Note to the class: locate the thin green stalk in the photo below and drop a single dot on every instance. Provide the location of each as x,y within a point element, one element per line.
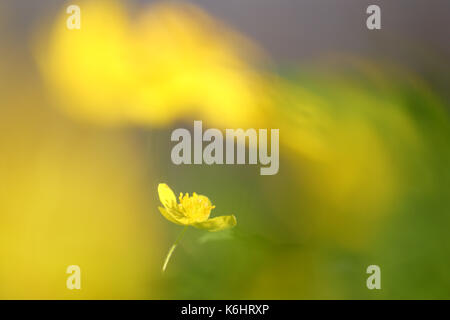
<point>172,249</point>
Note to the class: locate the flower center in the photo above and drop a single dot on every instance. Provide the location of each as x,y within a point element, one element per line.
<point>196,208</point>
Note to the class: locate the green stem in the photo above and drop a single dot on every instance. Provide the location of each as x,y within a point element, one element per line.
<point>172,249</point>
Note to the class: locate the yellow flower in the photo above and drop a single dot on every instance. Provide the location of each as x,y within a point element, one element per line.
<point>191,211</point>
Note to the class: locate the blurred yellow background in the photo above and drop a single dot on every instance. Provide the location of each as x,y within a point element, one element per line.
<point>85,120</point>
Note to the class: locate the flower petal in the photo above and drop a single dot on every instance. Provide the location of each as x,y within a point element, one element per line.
<point>168,214</point>
<point>217,223</point>
<point>166,196</point>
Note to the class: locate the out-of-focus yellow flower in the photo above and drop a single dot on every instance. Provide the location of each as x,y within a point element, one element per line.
<point>70,194</point>
<point>191,211</point>
<point>173,61</point>
<point>348,158</point>
<point>345,137</point>
<point>89,71</point>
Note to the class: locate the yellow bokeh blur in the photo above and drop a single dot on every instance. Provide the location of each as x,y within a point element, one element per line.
<point>169,62</point>
<point>343,158</point>
<point>71,195</point>
<point>86,118</point>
